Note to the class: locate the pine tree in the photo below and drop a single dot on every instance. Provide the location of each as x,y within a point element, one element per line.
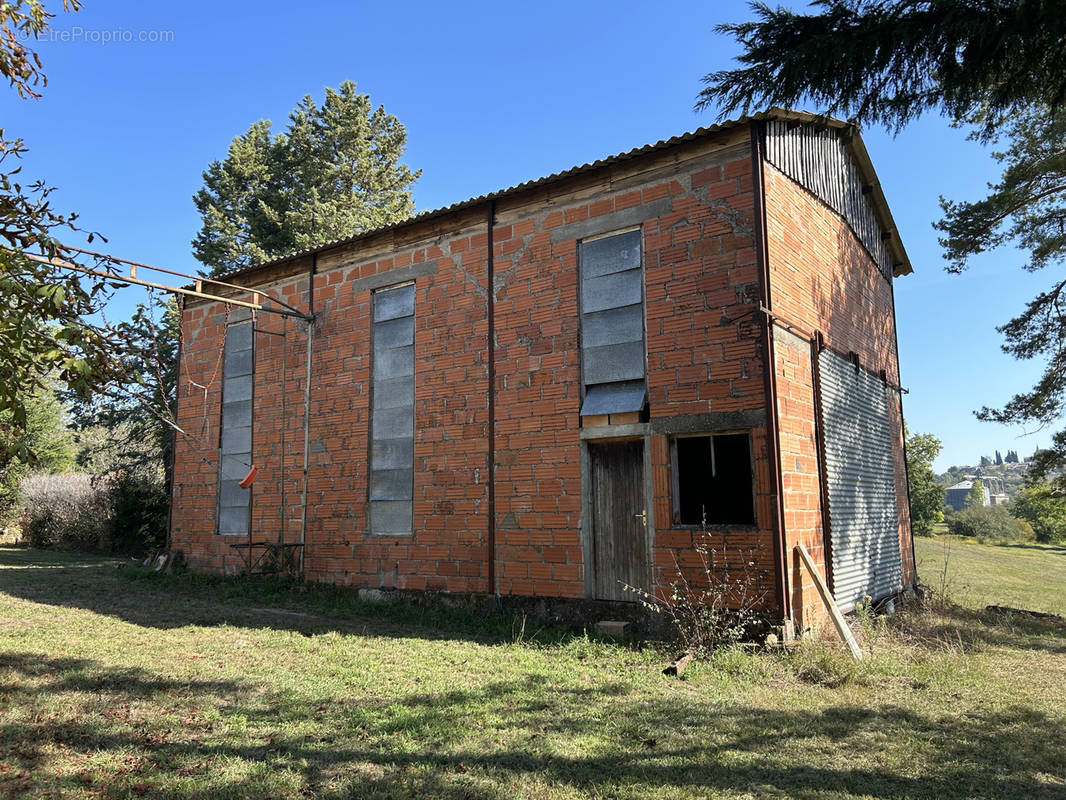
<point>334,172</point>
<point>996,66</point>
<point>999,459</point>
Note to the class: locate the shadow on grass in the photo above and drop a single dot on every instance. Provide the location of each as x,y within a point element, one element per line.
<point>1050,549</point>
<point>437,744</point>
<point>142,597</point>
<point>999,629</point>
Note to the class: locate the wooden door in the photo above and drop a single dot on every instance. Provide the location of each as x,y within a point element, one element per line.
<point>619,521</point>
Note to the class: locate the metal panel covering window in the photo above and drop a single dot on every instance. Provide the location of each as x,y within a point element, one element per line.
<point>392,421</point>
<point>612,325</point>
<point>860,479</point>
<point>235,447</point>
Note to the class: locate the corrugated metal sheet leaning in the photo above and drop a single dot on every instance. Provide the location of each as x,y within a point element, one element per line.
<point>864,527</point>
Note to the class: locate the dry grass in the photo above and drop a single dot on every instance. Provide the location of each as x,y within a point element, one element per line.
<point>114,684</point>
<point>1030,576</point>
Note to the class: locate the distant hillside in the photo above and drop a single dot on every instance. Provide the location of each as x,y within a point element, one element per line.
<point>1004,478</point>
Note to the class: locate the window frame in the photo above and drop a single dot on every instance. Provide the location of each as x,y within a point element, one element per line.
<point>371,409</point>
<point>220,471</point>
<point>675,488</point>
<point>582,383</point>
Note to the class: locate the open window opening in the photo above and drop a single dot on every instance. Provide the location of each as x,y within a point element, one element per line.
<point>713,483</point>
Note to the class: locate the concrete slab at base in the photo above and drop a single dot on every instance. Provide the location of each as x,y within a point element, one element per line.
<point>375,596</point>
<point>614,628</point>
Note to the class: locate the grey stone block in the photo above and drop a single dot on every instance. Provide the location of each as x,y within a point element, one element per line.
<point>390,517</point>
<point>392,454</point>
<point>606,223</point>
<point>613,326</point>
<point>394,363</point>
<point>612,291</point>
<point>610,254</point>
<point>392,276</point>
<point>393,303</point>
<point>614,362</point>
<point>392,484</point>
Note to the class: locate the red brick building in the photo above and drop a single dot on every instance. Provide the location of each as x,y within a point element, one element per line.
<point>561,388</point>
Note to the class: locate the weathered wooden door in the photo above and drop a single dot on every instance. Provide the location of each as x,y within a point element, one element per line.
<point>619,520</point>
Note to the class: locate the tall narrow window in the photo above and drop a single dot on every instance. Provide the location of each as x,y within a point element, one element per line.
<point>392,422</point>
<point>713,480</point>
<point>612,325</point>
<point>235,450</point>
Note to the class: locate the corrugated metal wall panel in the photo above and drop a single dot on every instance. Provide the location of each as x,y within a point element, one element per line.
<point>860,476</point>
<point>818,160</point>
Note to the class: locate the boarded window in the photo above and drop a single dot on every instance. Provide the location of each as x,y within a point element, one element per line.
<point>392,419</point>
<point>612,325</point>
<point>235,450</point>
<point>713,480</point>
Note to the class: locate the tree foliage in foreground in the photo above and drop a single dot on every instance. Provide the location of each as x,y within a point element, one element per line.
<point>45,335</point>
<point>998,66</point>
<point>334,172</point>
<point>885,63</point>
<point>926,493</point>
<point>45,435</point>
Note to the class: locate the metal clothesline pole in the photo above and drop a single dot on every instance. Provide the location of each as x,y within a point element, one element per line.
<point>307,443</point>
<point>255,304</point>
<point>259,302</point>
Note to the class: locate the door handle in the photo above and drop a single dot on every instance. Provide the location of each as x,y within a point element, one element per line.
<point>643,517</point>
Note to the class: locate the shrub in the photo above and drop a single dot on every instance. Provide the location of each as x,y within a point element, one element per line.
<point>69,511</point>
<point>139,511</point>
<point>122,513</point>
<point>993,523</point>
<point>711,605</point>
<point>1044,510</point>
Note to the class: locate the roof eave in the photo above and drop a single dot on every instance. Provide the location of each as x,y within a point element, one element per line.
<point>901,263</point>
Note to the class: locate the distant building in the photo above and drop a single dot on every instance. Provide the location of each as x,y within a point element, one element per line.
<point>956,495</point>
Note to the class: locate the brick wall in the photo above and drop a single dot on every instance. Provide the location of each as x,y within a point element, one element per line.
<point>694,206</point>
<point>823,279</point>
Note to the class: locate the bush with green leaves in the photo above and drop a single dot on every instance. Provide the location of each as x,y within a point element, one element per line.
<point>139,511</point>
<point>990,523</point>
<point>1045,510</point>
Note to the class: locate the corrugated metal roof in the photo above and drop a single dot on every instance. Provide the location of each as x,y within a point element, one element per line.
<point>859,151</point>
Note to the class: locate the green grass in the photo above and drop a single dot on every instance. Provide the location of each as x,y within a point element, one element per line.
<point>1028,576</point>
<point>117,684</point>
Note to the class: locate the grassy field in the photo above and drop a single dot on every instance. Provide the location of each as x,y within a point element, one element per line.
<point>1029,576</point>
<point>117,684</point>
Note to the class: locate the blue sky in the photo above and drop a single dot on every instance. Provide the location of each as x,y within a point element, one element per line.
<point>491,95</point>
